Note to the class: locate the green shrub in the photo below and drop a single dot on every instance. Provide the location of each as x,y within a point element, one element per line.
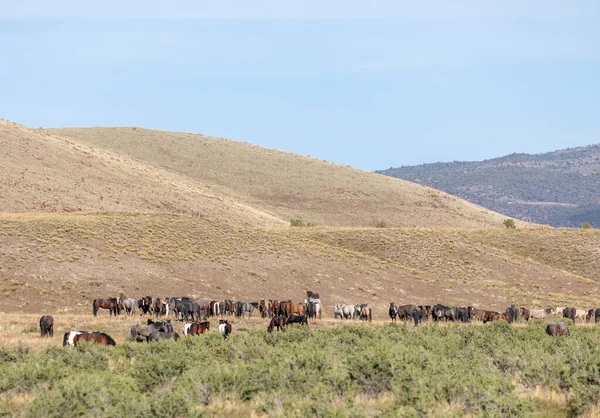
<point>381,224</point>
<point>463,370</point>
<point>586,225</point>
<point>298,221</point>
<point>30,329</point>
<point>510,223</point>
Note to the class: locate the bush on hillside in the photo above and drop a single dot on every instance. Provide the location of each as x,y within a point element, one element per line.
<point>510,223</point>
<point>586,225</point>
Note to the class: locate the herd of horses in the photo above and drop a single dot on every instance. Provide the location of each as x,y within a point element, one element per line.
<point>420,313</point>
<point>284,312</point>
<point>186,309</point>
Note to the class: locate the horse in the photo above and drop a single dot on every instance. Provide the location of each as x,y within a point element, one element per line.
<point>343,311</point>
<point>462,314</point>
<point>525,313</point>
<point>557,328</point>
<point>276,307</point>
<point>581,314</point>
<point>478,314</point>
<point>129,304</point>
<point>298,309</point>
<point>262,308</point>
<point>569,313</point>
<point>94,337</point>
<point>69,336</point>
<point>597,315</point>
<point>314,309</point>
<point>366,314</point>
<point>540,313</point>
<point>138,333</point>
<point>242,307</point>
<point>157,335</point>
<point>224,328</point>
<point>312,296</point>
<point>198,328</point>
<point>278,322</point>
<point>513,314</point>
<point>418,314</point>
<point>296,319</point>
<point>112,304</point>
<point>47,326</point>
<point>440,312</point>
<point>392,312</point>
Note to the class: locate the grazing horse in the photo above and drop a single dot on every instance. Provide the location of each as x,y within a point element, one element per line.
<point>278,322</point>
<point>224,328</point>
<point>94,337</point>
<point>513,314</point>
<point>296,319</point>
<point>157,335</point>
<point>47,326</point>
<point>557,328</point>
<point>392,311</point>
<point>138,333</point>
<point>69,336</point>
<point>112,304</point>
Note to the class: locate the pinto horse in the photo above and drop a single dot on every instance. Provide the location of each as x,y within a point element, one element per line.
<point>224,327</point>
<point>112,304</point>
<point>94,337</point>
<point>47,326</point>
<point>278,322</point>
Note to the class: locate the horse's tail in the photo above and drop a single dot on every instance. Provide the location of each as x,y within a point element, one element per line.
<point>370,314</point>
<point>94,307</point>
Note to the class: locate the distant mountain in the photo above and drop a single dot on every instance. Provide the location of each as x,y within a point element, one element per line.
<point>560,188</point>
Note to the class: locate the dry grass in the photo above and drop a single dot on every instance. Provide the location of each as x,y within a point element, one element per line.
<point>51,261</point>
<point>278,183</point>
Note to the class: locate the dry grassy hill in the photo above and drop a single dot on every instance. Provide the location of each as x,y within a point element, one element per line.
<point>282,184</point>
<point>51,262</point>
<point>87,213</point>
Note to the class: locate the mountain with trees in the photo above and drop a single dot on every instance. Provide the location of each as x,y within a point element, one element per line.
<point>560,188</point>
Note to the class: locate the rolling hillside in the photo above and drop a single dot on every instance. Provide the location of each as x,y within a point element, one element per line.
<point>284,185</point>
<point>51,262</point>
<point>89,213</point>
<point>557,188</point>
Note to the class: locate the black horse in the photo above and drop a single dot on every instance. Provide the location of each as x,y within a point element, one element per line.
<point>513,314</point>
<point>47,326</point>
<point>297,319</point>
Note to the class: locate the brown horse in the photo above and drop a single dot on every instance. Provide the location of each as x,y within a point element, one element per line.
<point>94,337</point>
<point>47,326</point>
<point>557,328</point>
<point>262,308</point>
<point>278,322</point>
<point>198,328</point>
<point>112,304</point>
<point>525,314</point>
<point>298,309</point>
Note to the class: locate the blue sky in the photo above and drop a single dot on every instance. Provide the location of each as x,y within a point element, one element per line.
<point>371,84</point>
